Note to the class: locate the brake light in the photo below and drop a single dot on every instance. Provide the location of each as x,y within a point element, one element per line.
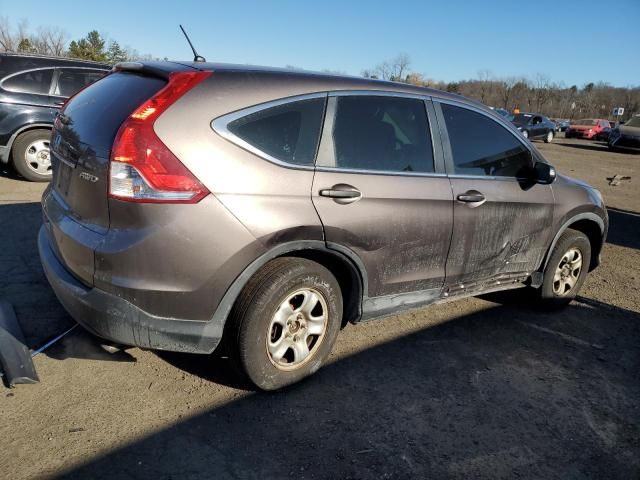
<point>142,168</point>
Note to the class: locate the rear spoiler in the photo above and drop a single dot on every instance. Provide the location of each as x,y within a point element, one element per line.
<point>153,69</point>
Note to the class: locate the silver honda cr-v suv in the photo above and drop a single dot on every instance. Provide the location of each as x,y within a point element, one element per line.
<point>193,203</point>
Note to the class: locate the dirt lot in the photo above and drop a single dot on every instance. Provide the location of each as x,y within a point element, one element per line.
<point>474,389</point>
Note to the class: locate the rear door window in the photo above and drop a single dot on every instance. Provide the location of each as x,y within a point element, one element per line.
<point>70,80</point>
<point>380,133</point>
<point>33,81</point>
<point>482,147</point>
<point>287,132</point>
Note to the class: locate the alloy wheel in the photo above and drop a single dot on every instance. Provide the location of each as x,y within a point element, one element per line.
<point>297,328</point>
<point>38,157</point>
<point>567,272</point>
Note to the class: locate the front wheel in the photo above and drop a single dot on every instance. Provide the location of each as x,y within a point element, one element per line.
<point>31,156</point>
<point>286,321</point>
<point>566,269</point>
<point>549,137</point>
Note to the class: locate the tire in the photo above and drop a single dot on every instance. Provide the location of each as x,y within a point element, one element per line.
<point>30,155</point>
<point>561,281</point>
<point>525,133</point>
<point>549,137</point>
<point>275,315</point>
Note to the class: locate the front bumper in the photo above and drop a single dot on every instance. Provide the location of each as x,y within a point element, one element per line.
<point>119,321</point>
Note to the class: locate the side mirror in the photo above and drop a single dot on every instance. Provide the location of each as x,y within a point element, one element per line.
<point>544,173</point>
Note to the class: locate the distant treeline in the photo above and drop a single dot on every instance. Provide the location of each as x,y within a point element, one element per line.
<point>539,95</point>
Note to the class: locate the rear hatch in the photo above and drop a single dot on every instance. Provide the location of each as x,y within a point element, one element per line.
<point>83,134</point>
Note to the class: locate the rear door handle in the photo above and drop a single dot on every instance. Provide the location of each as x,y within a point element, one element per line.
<point>342,193</point>
<point>472,197</point>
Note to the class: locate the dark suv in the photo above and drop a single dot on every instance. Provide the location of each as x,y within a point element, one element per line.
<point>195,205</point>
<point>32,89</point>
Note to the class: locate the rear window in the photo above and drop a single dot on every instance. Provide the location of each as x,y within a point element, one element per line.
<point>96,113</point>
<point>34,81</point>
<point>286,132</point>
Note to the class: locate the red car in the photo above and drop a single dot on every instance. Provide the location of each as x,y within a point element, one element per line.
<point>586,128</point>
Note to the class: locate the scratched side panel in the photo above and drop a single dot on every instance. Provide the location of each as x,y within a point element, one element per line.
<point>507,234</point>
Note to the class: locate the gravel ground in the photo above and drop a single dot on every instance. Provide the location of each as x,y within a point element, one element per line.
<point>479,388</point>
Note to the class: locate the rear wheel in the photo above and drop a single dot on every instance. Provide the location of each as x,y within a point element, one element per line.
<point>31,156</point>
<point>286,321</point>
<point>566,269</point>
<point>549,137</point>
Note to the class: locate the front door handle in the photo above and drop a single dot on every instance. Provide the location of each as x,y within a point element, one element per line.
<point>472,197</point>
<point>342,193</point>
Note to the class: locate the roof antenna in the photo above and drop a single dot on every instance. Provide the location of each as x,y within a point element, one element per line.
<point>196,57</point>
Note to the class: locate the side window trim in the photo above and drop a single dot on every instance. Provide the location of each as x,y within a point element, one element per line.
<point>220,126</point>
<point>54,81</point>
<point>437,141</point>
<point>326,150</point>
<point>446,143</point>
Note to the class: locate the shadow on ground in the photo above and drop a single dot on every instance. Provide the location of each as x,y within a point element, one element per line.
<point>624,228</point>
<point>599,147</point>
<point>502,393</point>
<point>22,281</point>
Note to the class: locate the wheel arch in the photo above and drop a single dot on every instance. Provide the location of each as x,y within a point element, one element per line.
<point>343,263</point>
<point>348,273</point>
<point>592,226</point>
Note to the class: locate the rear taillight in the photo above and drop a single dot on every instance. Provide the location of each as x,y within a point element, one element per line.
<point>142,168</point>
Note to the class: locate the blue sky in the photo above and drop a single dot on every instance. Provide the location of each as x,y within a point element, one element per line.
<point>573,42</point>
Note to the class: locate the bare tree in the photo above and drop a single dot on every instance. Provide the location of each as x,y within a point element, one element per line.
<point>51,41</point>
<point>508,88</point>
<point>8,41</point>
<point>400,66</point>
<point>395,69</point>
<point>485,84</point>
<point>541,90</point>
<point>384,71</point>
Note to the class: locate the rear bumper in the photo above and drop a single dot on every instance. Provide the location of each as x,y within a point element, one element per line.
<point>115,319</point>
<point>574,134</point>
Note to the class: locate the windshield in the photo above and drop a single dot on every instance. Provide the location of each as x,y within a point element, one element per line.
<point>634,122</point>
<point>521,118</point>
<point>584,121</point>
